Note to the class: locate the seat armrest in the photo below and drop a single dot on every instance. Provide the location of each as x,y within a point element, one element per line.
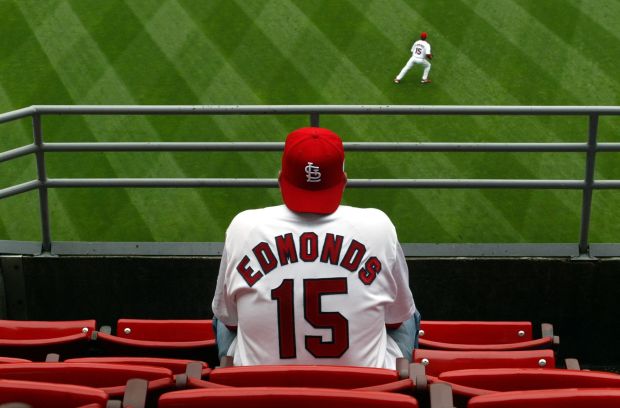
<point>135,393</point>
<point>417,373</point>
<point>572,364</point>
<point>441,395</point>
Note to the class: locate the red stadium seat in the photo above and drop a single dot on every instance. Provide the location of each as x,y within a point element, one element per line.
<point>51,395</point>
<point>9,360</point>
<point>281,397</point>
<point>470,383</point>
<point>475,335</point>
<point>110,378</point>
<point>438,361</point>
<point>342,377</point>
<point>182,339</point>
<point>33,340</point>
<point>515,379</point>
<point>177,366</point>
<point>559,398</point>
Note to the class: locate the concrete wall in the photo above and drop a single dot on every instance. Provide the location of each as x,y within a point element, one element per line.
<point>579,298</point>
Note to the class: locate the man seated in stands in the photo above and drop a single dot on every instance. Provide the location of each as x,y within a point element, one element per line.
<point>313,281</point>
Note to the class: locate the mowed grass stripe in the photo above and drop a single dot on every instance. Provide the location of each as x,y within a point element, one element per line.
<point>592,52</point>
<point>95,73</point>
<point>604,12</point>
<point>173,30</point>
<point>19,215</point>
<point>91,213</point>
<point>537,36</point>
<point>177,222</point>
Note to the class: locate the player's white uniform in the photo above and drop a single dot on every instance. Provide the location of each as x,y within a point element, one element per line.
<point>313,289</point>
<point>419,51</point>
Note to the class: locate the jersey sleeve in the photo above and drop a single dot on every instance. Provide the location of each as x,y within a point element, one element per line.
<point>224,307</point>
<point>428,49</point>
<point>403,306</point>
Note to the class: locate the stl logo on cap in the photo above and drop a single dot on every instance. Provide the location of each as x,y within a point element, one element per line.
<point>313,173</point>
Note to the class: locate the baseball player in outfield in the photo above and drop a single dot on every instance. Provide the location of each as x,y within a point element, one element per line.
<point>313,281</point>
<point>420,54</point>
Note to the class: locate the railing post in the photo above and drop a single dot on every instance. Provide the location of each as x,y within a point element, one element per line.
<point>46,239</point>
<point>586,207</point>
<point>314,119</point>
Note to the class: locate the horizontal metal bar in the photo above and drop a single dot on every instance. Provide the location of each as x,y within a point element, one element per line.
<point>18,152</point>
<point>605,250</point>
<point>466,147</point>
<point>411,250</point>
<point>608,147</point>
<point>20,247</point>
<point>350,146</point>
<point>138,248</point>
<point>322,109</point>
<point>19,188</point>
<point>163,146</point>
<point>467,183</point>
<point>162,182</point>
<point>355,183</point>
<point>16,114</point>
<point>606,184</point>
<point>491,250</point>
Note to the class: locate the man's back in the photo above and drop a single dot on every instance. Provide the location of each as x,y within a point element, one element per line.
<point>313,289</point>
<point>421,49</point>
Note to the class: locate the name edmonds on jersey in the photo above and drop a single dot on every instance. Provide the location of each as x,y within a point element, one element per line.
<point>309,248</point>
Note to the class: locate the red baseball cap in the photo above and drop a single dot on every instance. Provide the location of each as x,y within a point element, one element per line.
<point>423,35</point>
<point>312,179</point>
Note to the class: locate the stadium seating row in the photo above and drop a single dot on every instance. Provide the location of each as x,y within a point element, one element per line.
<point>34,340</point>
<point>109,383</point>
<point>145,366</point>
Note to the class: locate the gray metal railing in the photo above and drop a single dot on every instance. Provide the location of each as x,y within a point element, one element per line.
<point>42,183</point>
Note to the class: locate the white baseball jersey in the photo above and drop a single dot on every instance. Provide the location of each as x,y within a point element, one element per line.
<point>420,49</point>
<point>313,289</point>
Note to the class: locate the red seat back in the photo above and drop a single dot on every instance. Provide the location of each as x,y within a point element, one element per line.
<point>302,376</point>
<point>18,332</point>
<point>562,398</point>
<point>165,330</point>
<point>111,378</point>
<point>177,366</point>
<point>438,361</point>
<point>280,397</point>
<point>10,360</point>
<point>48,395</point>
<point>474,332</point>
<point>514,379</point>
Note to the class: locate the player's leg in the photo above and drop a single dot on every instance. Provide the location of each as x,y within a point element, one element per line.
<point>427,69</point>
<point>403,71</point>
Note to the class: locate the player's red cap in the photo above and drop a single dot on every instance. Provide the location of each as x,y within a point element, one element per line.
<point>312,179</point>
<point>423,35</point>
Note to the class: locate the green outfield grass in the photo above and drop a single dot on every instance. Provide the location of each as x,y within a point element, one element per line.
<point>487,52</point>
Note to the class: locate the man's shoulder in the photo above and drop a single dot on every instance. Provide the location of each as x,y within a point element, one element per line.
<point>365,215</point>
<point>256,215</point>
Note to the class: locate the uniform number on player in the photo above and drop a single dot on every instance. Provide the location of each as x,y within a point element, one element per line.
<point>314,289</point>
<point>418,51</point>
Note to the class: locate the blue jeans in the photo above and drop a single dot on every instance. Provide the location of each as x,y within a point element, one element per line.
<point>406,336</point>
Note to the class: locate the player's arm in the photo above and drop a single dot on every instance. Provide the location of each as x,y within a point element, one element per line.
<point>429,56</point>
